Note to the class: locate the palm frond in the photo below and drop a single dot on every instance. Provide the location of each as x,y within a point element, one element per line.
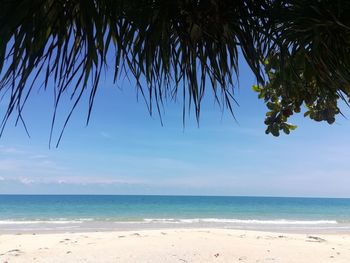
<point>165,45</point>
<point>178,48</point>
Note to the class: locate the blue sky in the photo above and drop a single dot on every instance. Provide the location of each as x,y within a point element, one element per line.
<point>126,151</point>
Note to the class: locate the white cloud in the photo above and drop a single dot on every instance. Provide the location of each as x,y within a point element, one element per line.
<point>95,180</point>
<point>10,150</point>
<point>25,180</point>
<point>106,135</point>
<point>82,181</point>
<point>38,156</point>
<point>8,165</point>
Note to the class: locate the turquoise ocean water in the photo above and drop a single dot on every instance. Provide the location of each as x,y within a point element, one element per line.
<point>96,212</point>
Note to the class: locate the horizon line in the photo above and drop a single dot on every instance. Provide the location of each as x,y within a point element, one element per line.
<point>180,195</point>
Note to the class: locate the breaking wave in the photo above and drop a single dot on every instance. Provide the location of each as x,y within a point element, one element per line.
<point>241,221</point>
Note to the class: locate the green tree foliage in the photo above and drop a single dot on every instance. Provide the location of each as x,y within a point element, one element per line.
<point>308,64</point>
<point>298,51</point>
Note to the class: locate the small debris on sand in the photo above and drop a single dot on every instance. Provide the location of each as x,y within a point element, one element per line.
<point>315,239</point>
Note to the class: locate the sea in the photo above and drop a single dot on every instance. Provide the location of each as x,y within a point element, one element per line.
<point>73,213</point>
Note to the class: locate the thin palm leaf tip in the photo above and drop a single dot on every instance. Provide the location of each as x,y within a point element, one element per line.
<point>182,46</point>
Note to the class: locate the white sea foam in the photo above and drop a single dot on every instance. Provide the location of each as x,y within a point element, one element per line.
<point>240,221</point>
<point>64,221</point>
<point>31,222</point>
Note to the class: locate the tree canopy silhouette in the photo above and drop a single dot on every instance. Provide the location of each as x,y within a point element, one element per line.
<point>298,51</point>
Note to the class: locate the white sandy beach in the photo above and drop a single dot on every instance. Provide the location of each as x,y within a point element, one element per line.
<point>175,245</point>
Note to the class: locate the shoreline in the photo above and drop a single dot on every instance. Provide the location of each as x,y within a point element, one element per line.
<point>101,226</point>
<point>175,245</point>
<point>81,226</point>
